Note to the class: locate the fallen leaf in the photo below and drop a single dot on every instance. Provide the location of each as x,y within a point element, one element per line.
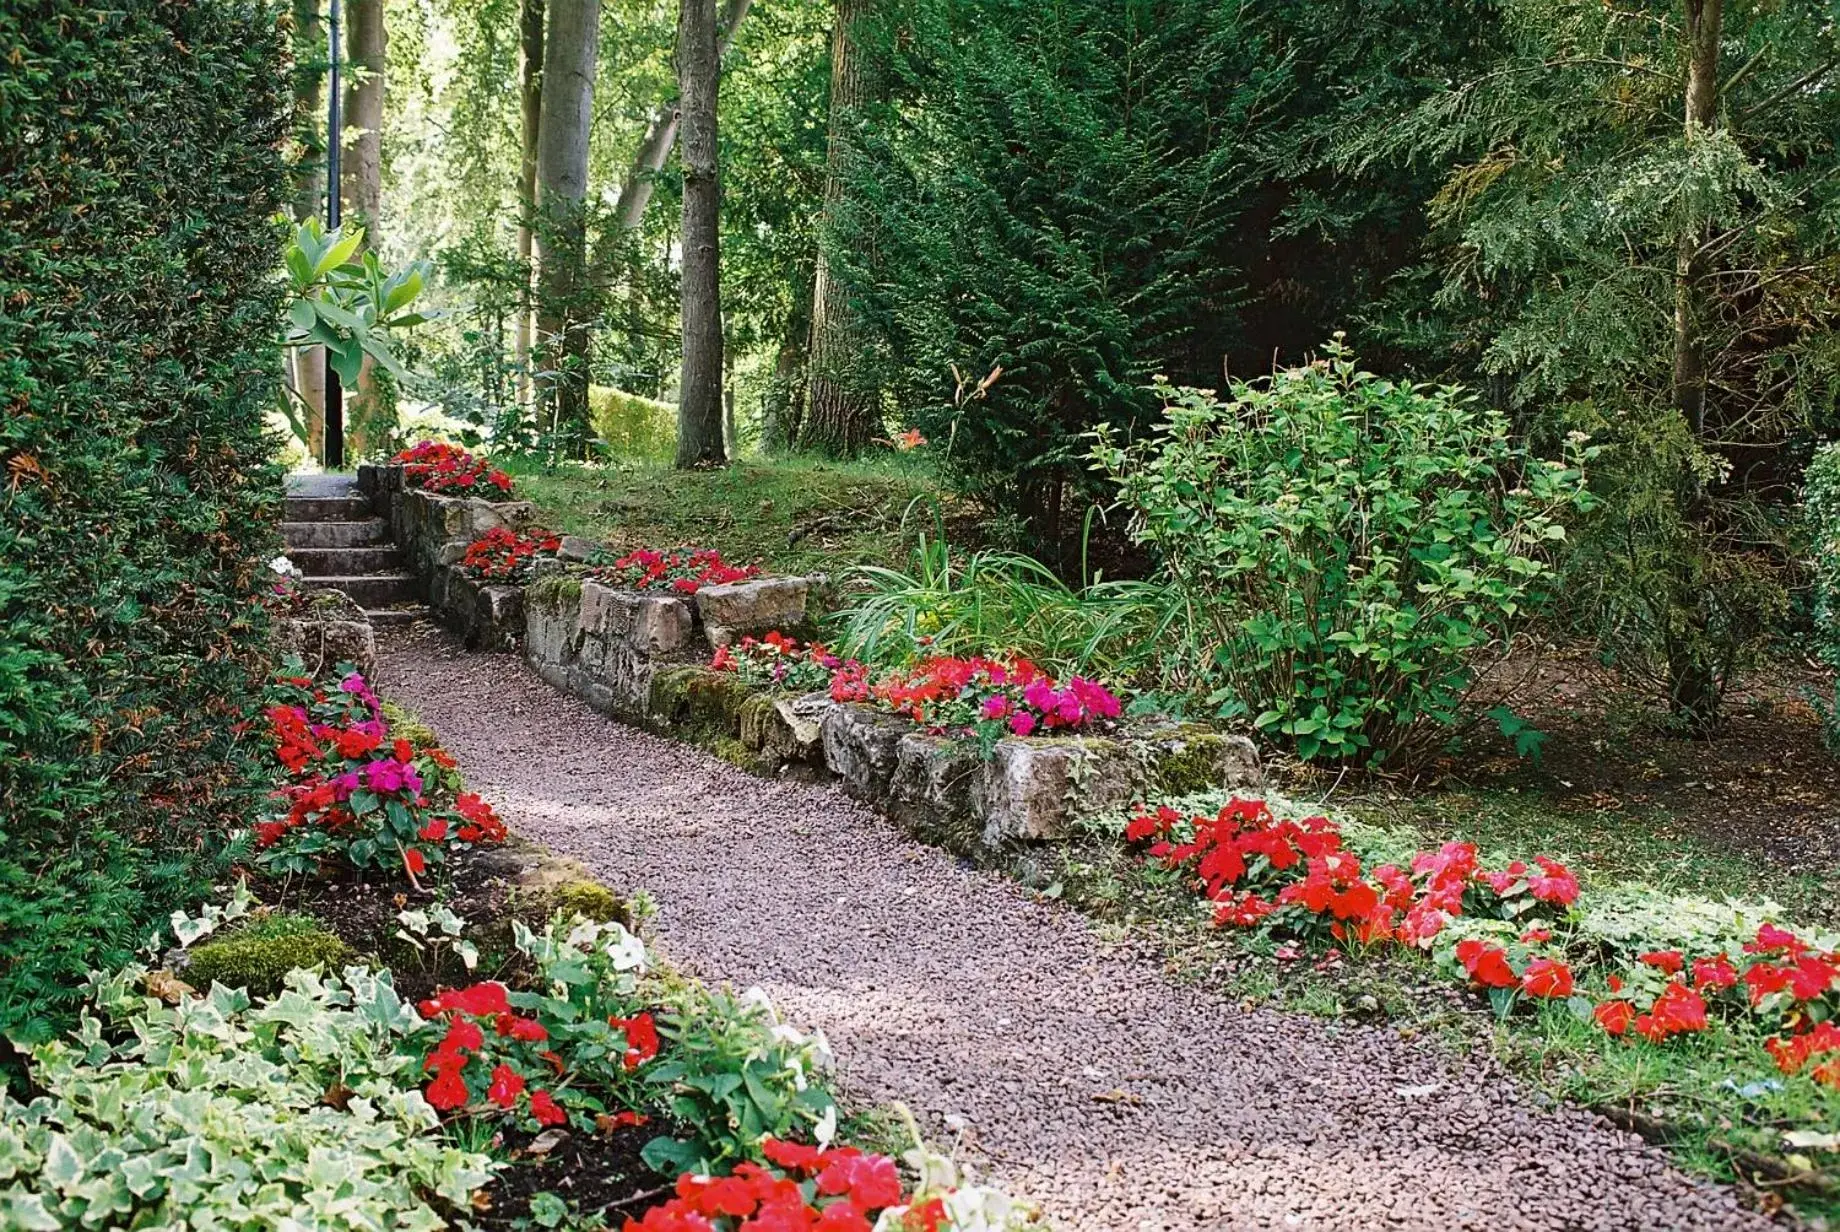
<point>1118,1095</point>
<point>1812,1140</point>
<point>168,987</point>
<point>546,1142</point>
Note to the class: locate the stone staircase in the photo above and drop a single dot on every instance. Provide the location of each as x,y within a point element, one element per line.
<point>337,543</point>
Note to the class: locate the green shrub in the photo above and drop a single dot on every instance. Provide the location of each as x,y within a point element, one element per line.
<point>138,353</point>
<point>631,426</point>
<point>216,1114</point>
<point>1822,513</point>
<point>258,956</point>
<point>1348,546</point>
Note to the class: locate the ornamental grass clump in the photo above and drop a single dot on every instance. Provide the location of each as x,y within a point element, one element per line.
<point>448,470</point>
<point>1348,551</point>
<point>505,555</point>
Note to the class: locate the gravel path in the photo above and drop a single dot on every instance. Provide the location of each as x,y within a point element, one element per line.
<point>1094,1086</point>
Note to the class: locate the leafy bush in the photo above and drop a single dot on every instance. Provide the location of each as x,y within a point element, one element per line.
<point>215,1113</point>
<point>138,351</point>
<point>1822,510</point>
<point>1348,547</point>
<point>631,426</point>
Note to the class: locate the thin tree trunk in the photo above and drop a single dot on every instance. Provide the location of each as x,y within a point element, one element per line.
<point>530,27</point>
<point>372,409</point>
<point>841,417</point>
<point>784,403</point>
<point>1694,676</point>
<point>699,394</point>
<point>309,363</point>
<point>570,51</point>
<point>655,149</point>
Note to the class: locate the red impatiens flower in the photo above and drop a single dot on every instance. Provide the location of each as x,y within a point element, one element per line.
<point>869,1180</point>
<point>1547,977</point>
<point>1557,885</point>
<point>1616,1017</point>
<point>1676,1011</point>
<point>481,1000</point>
<point>415,861</point>
<point>1666,961</point>
<point>1714,973</point>
<point>447,1091</point>
<point>641,1039</point>
<point>507,1085</point>
<point>793,1156</point>
<point>1487,964</point>
<point>546,1110</point>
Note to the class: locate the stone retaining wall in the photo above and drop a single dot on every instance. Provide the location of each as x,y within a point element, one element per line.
<point>434,532</point>
<point>329,630</point>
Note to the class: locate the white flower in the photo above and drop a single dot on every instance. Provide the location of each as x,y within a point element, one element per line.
<point>283,566</point>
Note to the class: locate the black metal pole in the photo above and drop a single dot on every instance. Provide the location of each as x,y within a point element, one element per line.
<point>335,396</point>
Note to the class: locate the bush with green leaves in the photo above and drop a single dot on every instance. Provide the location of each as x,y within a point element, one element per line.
<point>1349,548</point>
<point>298,1112</point>
<point>1821,511</point>
<point>138,356</point>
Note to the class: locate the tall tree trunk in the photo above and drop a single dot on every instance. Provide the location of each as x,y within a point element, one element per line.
<point>783,405</point>
<point>661,134</point>
<point>570,51</point>
<point>841,417</point>
<point>530,29</point>
<point>1694,676</point>
<point>699,395</point>
<point>309,363</point>
<point>373,406</point>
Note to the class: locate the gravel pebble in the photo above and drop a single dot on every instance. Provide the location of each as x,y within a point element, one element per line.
<point>1089,1083</point>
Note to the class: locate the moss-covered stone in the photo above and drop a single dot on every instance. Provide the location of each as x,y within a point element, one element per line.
<point>698,698</point>
<point>258,956</point>
<point>554,590</point>
<point>405,724</point>
<point>756,714</point>
<point>591,900</point>
<point>1197,758</point>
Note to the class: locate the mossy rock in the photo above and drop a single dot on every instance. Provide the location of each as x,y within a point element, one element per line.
<point>756,715</point>
<point>590,900</point>
<point>1198,759</point>
<point>554,590</point>
<point>697,697</point>
<point>557,883</point>
<point>405,724</point>
<point>258,956</point>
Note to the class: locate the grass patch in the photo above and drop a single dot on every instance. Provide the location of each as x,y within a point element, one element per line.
<point>791,516</point>
<point>1646,845</point>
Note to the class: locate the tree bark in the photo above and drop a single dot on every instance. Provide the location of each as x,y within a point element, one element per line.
<point>655,149</point>
<point>570,52</point>
<point>372,407</point>
<point>1694,684</point>
<point>309,363</point>
<point>530,29</point>
<point>841,417</point>
<point>699,396</point>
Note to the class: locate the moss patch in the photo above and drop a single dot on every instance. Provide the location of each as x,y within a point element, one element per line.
<point>407,725</point>
<point>590,899</point>
<point>258,956</point>
<point>1194,766</point>
<point>554,590</point>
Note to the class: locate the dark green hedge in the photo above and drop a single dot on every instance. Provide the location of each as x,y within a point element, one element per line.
<point>140,167</point>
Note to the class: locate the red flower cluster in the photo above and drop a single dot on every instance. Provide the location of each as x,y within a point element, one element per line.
<point>684,570</point>
<point>356,793</point>
<point>779,662</point>
<point>495,1062</point>
<point>992,697</point>
<point>435,466</point>
<point>503,555</point>
<point>1259,867</point>
<point>805,1190</point>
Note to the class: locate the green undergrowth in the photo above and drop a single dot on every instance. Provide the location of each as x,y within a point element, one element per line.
<point>790,516</point>
<point>1715,1099</point>
<point>1650,847</point>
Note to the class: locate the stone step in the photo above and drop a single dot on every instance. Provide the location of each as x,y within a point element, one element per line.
<point>381,617</point>
<point>346,562</point>
<point>381,590</point>
<point>369,533</point>
<point>325,508</point>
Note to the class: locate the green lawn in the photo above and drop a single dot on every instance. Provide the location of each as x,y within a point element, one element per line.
<point>789,516</point>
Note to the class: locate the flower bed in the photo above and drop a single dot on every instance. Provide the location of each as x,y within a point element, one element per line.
<point>435,466</point>
<point>427,1096</point>
<point>683,570</point>
<point>986,698</point>
<point>508,556</point>
<point>780,663</point>
<point>1519,933</point>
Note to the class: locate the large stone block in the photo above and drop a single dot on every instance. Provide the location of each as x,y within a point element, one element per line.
<point>487,615</point>
<point>785,730</point>
<point>324,644</point>
<point>688,695</point>
<point>551,619</point>
<point>1033,787</point>
<point>861,747</point>
<point>733,610</point>
<point>936,789</point>
<point>649,624</point>
<point>1194,758</point>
